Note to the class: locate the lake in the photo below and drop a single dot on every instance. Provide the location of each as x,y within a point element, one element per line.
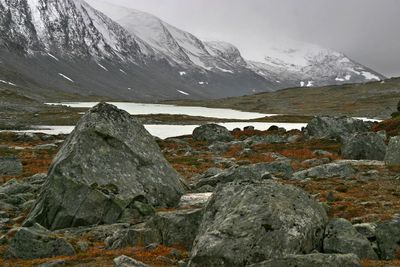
<point>143,109</point>
<point>165,131</point>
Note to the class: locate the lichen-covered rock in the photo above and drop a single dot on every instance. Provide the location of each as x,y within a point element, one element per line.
<point>312,260</point>
<point>367,229</point>
<point>388,239</point>
<point>367,145</point>
<point>177,227</point>
<point>330,170</point>
<point>393,151</point>
<point>247,172</point>
<point>335,127</point>
<point>212,133</point>
<point>139,235</point>
<point>108,168</point>
<point>194,200</point>
<point>252,221</point>
<point>37,242</point>
<point>266,139</point>
<point>10,166</point>
<point>342,237</point>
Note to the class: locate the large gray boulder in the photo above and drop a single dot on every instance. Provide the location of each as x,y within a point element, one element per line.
<point>109,168</point>
<point>369,145</point>
<point>252,221</point>
<point>393,151</point>
<point>336,169</point>
<point>37,242</point>
<point>312,260</point>
<point>327,127</point>
<point>10,166</point>
<point>341,237</point>
<point>388,239</point>
<point>212,133</point>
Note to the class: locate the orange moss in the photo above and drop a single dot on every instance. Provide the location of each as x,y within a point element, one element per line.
<point>391,126</point>
<point>375,263</point>
<point>299,154</point>
<point>99,256</point>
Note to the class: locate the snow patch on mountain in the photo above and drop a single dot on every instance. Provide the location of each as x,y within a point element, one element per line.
<point>66,77</point>
<point>183,92</point>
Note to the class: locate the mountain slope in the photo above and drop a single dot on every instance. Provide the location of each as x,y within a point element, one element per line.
<point>67,45</point>
<point>291,64</point>
<point>70,46</point>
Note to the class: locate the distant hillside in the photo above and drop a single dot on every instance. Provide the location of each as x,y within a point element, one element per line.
<point>374,99</point>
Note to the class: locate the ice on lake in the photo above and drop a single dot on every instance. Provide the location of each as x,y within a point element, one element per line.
<point>165,131</point>
<point>143,109</point>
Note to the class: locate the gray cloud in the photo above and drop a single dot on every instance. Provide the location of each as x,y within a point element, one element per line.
<point>365,30</point>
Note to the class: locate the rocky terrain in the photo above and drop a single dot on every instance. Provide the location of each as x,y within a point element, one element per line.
<point>110,194</point>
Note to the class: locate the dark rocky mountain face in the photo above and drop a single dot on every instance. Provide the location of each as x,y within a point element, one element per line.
<point>69,46</point>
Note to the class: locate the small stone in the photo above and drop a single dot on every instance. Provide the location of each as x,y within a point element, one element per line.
<point>54,263</point>
<point>125,261</point>
<point>10,166</point>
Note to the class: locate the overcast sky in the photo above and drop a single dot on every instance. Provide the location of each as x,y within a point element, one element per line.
<point>368,31</point>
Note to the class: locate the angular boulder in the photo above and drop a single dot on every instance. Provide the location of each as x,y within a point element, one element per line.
<point>37,242</point>
<point>393,151</point>
<point>341,237</point>
<point>212,133</point>
<point>312,260</point>
<point>369,145</point>
<point>109,168</point>
<point>251,221</point>
<point>327,127</point>
<point>388,239</point>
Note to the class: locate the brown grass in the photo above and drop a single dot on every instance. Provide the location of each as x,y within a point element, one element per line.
<point>357,200</point>
<point>391,126</point>
<point>374,263</point>
<point>99,256</point>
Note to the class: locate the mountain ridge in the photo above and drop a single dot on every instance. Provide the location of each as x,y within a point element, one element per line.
<point>71,46</point>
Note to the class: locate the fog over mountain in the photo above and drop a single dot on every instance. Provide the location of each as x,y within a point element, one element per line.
<point>364,30</point>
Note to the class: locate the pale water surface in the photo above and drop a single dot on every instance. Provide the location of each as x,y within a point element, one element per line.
<point>166,131</point>
<point>143,109</point>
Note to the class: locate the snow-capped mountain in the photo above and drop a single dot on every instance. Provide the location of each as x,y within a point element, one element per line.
<point>68,28</point>
<point>300,64</point>
<point>127,54</point>
<point>179,47</point>
<point>68,45</point>
<point>291,63</point>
